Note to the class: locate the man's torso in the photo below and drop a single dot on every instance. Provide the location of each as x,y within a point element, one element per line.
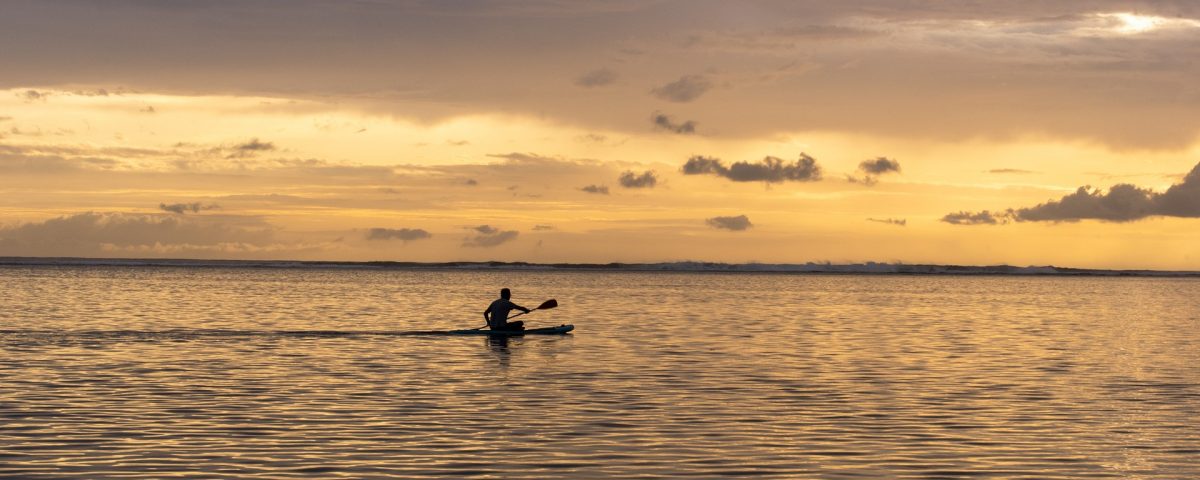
<point>500,309</point>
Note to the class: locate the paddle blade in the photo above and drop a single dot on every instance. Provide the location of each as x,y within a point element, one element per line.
<point>551,303</point>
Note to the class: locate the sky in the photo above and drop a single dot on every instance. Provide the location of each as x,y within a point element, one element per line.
<point>1021,132</point>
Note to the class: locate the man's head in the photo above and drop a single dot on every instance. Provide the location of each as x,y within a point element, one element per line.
<point>505,294</point>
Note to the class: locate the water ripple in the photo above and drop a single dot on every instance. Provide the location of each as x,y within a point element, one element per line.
<point>228,373</point>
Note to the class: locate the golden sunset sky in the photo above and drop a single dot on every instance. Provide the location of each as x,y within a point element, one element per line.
<point>603,131</point>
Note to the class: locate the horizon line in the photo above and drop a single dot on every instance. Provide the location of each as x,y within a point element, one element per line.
<point>682,266</point>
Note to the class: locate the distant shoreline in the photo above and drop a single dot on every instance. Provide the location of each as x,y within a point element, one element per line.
<point>868,268</point>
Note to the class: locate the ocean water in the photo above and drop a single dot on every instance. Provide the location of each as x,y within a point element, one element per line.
<point>155,372</point>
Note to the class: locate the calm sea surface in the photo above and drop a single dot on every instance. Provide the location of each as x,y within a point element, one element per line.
<point>135,372</point>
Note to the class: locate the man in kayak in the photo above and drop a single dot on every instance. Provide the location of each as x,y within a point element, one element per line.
<point>496,314</point>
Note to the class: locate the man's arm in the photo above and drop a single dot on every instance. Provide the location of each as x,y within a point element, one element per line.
<point>486,319</point>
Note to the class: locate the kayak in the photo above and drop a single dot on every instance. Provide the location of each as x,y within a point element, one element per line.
<point>559,330</point>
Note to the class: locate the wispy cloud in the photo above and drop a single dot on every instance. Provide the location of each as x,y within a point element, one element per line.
<point>598,189</point>
<point>489,236</point>
<point>686,89</point>
<point>252,147</point>
<point>737,223</point>
<point>596,78</point>
<point>402,234</point>
<point>182,208</point>
<point>900,222</point>
<point>99,92</point>
<point>34,96</point>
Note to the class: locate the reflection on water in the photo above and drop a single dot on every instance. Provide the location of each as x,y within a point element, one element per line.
<point>239,373</point>
<point>499,346</point>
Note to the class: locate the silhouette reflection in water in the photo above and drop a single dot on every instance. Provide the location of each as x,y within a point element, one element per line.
<point>498,344</point>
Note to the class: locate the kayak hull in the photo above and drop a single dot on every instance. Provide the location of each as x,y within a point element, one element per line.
<point>559,330</point>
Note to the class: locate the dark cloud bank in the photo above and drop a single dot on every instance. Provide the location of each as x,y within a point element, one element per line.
<point>1122,203</point>
<point>770,169</point>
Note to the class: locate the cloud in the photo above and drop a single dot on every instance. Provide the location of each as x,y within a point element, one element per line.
<point>182,158</point>
<point>647,179</point>
<point>597,78</point>
<point>182,208</point>
<point>879,166</point>
<point>599,189</point>
<point>890,221</point>
<point>737,224</point>
<point>872,169</point>
<point>49,160</point>
<point>865,180</point>
<point>107,233</point>
<point>540,163</point>
<point>489,237</point>
<point>1123,202</point>
<point>664,122</point>
<point>982,218</point>
<point>252,147</point>
<point>686,89</point>
<point>866,56</point>
<point>402,234</point>
<point>770,169</point>
<point>593,138</point>
<point>784,39</point>
<point>99,92</point>
<point>1182,199</point>
<point>34,96</point>
<point>471,182</point>
<point>540,228</point>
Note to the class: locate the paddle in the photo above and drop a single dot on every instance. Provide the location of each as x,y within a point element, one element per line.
<point>546,305</point>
